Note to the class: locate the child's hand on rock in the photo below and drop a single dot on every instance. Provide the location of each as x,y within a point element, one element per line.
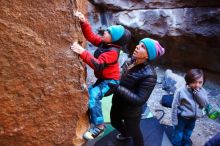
<point>77,48</point>
<point>80,16</point>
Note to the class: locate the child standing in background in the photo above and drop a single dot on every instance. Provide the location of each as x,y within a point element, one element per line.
<point>187,107</point>
<point>105,65</point>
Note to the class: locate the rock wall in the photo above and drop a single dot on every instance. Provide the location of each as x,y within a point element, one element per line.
<point>43,97</point>
<point>189,30</point>
<point>152,4</point>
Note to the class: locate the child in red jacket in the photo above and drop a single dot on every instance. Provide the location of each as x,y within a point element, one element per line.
<point>105,65</point>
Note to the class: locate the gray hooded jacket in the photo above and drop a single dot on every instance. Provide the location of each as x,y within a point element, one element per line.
<point>188,103</point>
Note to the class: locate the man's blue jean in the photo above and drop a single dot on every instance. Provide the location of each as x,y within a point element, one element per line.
<point>183,131</point>
<point>95,96</point>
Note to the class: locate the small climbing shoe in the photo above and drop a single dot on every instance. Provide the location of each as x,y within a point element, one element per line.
<point>93,133</point>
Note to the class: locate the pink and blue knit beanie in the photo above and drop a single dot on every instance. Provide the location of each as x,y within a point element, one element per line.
<point>154,49</point>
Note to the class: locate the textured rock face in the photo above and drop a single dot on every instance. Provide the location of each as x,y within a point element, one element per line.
<point>189,30</point>
<point>145,4</point>
<point>173,22</point>
<point>43,99</point>
<point>191,36</point>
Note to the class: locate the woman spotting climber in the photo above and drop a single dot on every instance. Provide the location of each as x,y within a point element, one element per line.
<point>136,84</point>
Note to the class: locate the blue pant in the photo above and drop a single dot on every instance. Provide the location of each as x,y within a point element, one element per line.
<point>183,131</point>
<point>96,92</point>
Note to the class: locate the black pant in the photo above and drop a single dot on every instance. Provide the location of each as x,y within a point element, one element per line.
<point>127,126</point>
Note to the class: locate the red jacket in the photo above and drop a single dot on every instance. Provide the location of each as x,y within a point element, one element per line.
<point>105,64</point>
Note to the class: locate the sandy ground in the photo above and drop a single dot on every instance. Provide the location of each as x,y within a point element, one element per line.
<point>205,128</point>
